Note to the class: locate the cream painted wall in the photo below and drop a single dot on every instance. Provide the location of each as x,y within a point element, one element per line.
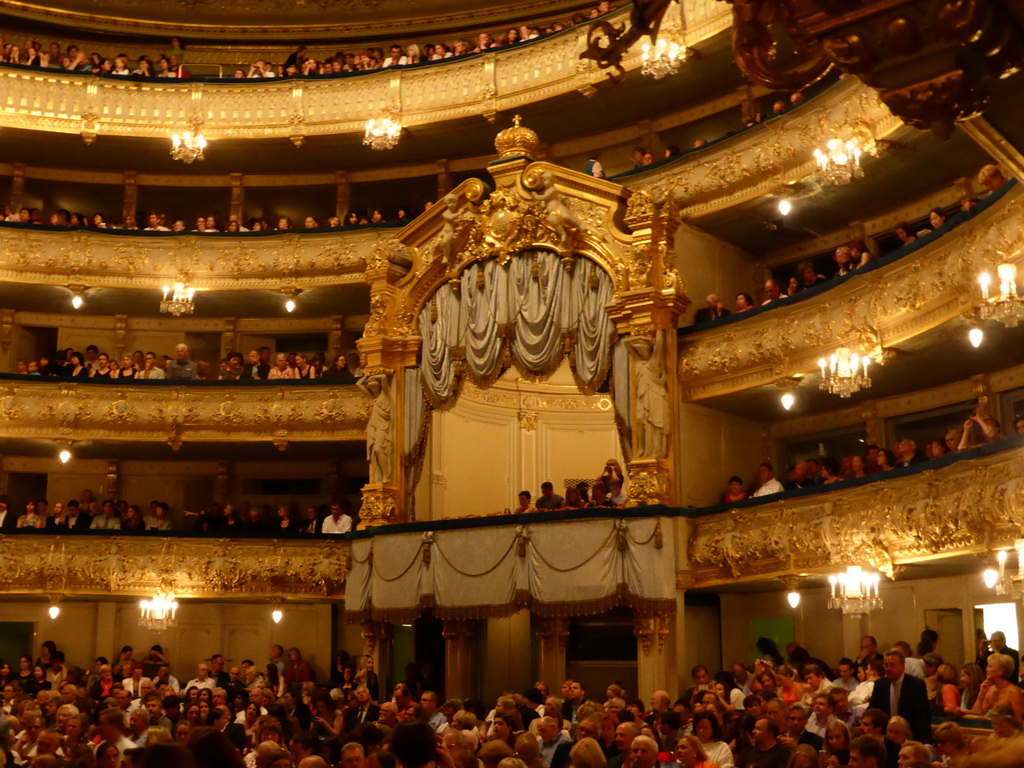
<point>709,265</point>
<point>480,456</point>
<point>85,630</point>
<point>711,447</point>
<point>829,636</point>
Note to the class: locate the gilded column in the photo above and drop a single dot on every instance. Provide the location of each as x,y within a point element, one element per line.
<point>237,196</point>
<point>654,653</point>
<point>227,337</point>
<point>331,481</point>
<point>459,645</point>
<point>18,186</point>
<point>111,481</point>
<point>444,179</point>
<point>220,484</point>
<point>553,634</point>
<point>335,337</point>
<point>343,195</point>
<point>646,317</point>
<point>120,336</point>
<point>131,196</point>
<point>874,428</point>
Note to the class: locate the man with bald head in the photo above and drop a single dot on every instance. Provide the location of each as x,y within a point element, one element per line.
<point>624,735</point>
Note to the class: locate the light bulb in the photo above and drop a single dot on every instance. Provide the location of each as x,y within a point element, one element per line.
<point>65,456</point>
<point>794,599</point>
<point>290,305</point>
<point>1001,557</point>
<point>76,301</point>
<point>975,336</point>
<point>785,207</point>
<point>787,400</point>
<point>990,577</point>
<point>277,614</point>
<point>54,611</point>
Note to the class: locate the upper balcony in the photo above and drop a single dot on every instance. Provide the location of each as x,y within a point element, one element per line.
<point>470,86</point>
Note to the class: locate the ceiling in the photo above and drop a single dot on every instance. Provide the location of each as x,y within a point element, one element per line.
<point>282,20</point>
<point>344,300</point>
<point>937,357</point>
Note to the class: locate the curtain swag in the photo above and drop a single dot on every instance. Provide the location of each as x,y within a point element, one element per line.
<point>576,568</point>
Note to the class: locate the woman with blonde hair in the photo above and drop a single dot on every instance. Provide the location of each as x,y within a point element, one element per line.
<point>587,753</point>
<point>690,753</point>
<point>949,744</point>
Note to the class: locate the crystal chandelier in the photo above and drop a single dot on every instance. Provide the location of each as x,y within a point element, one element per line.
<point>1004,583</point>
<point>662,59</point>
<point>180,302</point>
<point>382,132</point>
<point>188,147</point>
<point>839,162</point>
<point>845,372</point>
<point>855,591</point>
<point>1006,307</point>
<point>158,613</point>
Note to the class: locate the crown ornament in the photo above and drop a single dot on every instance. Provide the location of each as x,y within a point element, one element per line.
<point>517,141</point>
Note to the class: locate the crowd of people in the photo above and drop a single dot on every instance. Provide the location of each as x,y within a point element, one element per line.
<point>86,513</point>
<point>792,711</point>
<point>172,62</point>
<point>848,258</point>
<point>605,491</point>
<point>977,429</point>
<point>258,364</point>
<point>161,222</point>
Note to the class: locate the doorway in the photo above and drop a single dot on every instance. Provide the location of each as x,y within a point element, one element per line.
<point>949,623</point>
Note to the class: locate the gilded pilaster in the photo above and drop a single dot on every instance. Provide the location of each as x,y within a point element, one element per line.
<point>460,647</point>
<point>444,179</point>
<point>237,195</point>
<point>18,186</point>
<point>553,634</point>
<point>120,336</point>
<point>131,196</point>
<point>220,484</point>
<point>110,484</point>
<point>342,195</point>
<point>228,336</point>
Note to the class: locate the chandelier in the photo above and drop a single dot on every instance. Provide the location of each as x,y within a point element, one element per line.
<point>855,591</point>
<point>382,132</point>
<point>1001,581</point>
<point>188,147</point>
<point>662,59</point>
<point>158,613</point>
<point>845,372</point>
<point>839,162</point>
<point>180,302</point>
<point>1007,307</point>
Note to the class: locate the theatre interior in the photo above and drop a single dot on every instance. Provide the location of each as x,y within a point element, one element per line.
<point>669,268</point>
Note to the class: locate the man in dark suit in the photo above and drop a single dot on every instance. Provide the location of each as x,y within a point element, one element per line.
<point>8,520</point>
<point>798,733</point>
<point>74,518</point>
<point>901,694</point>
<point>365,710</point>
<point>255,368</point>
<point>713,311</point>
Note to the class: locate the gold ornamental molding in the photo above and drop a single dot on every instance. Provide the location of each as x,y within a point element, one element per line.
<point>213,263</point>
<point>972,506</point>
<point>190,567</point>
<point>770,155</point>
<point>178,414</point>
<point>877,309</point>
<point>63,102</point>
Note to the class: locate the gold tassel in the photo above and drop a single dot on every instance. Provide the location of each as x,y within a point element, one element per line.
<point>658,540</point>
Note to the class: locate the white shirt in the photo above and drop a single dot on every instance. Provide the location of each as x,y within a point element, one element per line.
<point>171,681</point>
<point>862,693</point>
<point>342,525</point>
<point>197,683</point>
<point>772,486</point>
<point>915,667</point>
